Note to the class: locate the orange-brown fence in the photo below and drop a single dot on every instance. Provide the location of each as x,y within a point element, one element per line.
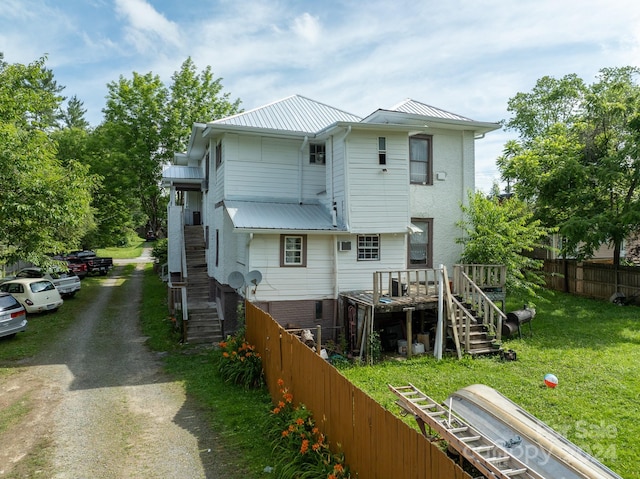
<point>596,280</point>
<point>376,443</point>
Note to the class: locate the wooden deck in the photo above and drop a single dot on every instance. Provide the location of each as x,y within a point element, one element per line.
<point>389,304</point>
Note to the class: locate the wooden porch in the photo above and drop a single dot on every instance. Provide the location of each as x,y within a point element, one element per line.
<point>471,319</point>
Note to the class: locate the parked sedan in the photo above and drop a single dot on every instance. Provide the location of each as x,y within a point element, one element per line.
<point>13,317</point>
<point>36,295</point>
<point>67,282</point>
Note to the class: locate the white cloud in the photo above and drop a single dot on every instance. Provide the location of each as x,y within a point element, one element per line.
<point>307,27</point>
<point>146,26</point>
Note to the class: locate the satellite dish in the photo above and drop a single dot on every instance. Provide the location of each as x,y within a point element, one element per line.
<point>236,280</point>
<point>254,277</point>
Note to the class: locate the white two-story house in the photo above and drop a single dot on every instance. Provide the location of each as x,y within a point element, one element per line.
<point>298,201</point>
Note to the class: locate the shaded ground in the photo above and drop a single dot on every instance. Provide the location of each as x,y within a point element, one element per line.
<point>96,405</point>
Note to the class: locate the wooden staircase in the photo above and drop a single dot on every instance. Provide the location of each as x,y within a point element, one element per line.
<point>473,320</point>
<point>204,324</point>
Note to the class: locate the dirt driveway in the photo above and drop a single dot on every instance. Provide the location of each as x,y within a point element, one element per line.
<point>97,405</point>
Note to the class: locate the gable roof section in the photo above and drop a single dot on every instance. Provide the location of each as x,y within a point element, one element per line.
<point>412,112</point>
<point>259,216</point>
<point>422,109</point>
<point>292,114</point>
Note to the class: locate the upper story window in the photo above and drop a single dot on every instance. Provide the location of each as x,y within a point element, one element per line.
<point>293,250</point>
<point>369,248</point>
<point>420,159</point>
<point>317,153</point>
<point>218,154</point>
<point>382,150</point>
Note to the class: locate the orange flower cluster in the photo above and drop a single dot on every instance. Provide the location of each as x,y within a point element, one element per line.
<point>300,436</point>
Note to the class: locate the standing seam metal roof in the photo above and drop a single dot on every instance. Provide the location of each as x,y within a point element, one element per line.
<point>417,108</point>
<point>294,113</point>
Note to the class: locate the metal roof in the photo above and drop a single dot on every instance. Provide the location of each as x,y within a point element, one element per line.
<point>295,113</point>
<point>182,173</point>
<point>416,108</point>
<point>279,216</point>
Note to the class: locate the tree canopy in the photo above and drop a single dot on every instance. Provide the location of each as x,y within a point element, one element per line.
<point>577,157</point>
<point>147,122</point>
<point>44,203</point>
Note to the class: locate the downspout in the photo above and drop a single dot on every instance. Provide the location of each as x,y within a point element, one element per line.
<point>346,178</point>
<point>300,162</point>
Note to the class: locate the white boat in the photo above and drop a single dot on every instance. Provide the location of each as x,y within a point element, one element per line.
<point>523,436</point>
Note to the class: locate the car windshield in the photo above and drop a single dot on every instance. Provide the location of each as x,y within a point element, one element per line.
<point>39,286</point>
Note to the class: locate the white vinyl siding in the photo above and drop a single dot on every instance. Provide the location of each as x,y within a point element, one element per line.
<point>378,199</point>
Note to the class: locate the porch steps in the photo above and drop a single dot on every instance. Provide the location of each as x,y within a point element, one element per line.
<point>479,341</point>
<point>204,325</point>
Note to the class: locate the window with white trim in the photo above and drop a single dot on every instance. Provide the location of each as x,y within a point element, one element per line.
<point>317,153</point>
<point>420,159</point>
<point>369,248</point>
<point>293,250</point>
<point>420,244</point>
<point>382,150</point>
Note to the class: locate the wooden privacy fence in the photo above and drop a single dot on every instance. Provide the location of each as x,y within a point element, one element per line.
<point>595,280</point>
<point>376,444</point>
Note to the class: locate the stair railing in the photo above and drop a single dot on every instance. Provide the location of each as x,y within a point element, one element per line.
<point>462,319</point>
<point>473,295</point>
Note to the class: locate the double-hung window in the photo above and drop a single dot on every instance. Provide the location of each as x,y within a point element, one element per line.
<point>369,248</point>
<point>420,159</point>
<point>317,152</point>
<point>293,250</point>
<point>420,243</point>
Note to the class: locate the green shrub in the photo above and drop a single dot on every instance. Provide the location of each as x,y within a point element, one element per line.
<point>159,250</point>
<point>239,363</point>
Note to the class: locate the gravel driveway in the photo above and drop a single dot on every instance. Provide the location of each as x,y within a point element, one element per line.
<point>100,406</point>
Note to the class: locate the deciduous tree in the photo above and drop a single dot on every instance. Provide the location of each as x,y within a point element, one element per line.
<point>577,159</point>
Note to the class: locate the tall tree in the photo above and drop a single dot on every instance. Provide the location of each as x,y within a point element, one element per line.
<point>44,204</point>
<point>499,230</point>
<point>578,157</point>
<point>195,97</point>
<point>147,123</point>
<point>73,116</point>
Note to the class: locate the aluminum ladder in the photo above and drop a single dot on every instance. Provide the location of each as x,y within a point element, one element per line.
<point>489,458</point>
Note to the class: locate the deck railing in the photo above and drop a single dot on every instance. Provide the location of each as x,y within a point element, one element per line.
<point>410,283</point>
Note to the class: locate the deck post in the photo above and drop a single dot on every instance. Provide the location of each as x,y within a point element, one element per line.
<point>409,313</point>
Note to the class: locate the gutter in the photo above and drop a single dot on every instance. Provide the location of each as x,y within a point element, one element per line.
<point>300,169</point>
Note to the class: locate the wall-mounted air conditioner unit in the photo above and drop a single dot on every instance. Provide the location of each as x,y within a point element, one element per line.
<point>344,245</point>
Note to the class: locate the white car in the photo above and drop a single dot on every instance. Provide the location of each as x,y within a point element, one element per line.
<point>36,295</point>
<point>67,282</point>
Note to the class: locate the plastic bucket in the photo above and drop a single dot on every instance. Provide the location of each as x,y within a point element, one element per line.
<point>402,347</point>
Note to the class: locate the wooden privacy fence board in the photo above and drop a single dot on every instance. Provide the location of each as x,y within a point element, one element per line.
<point>596,280</point>
<point>376,443</point>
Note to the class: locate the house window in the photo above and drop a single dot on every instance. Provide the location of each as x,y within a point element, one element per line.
<point>382,150</point>
<point>217,247</point>
<point>369,248</point>
<point>293,250</point>
<point>218,154</point>
<point>420,159</point>
<point>317,153</point>
<point>420,244</point>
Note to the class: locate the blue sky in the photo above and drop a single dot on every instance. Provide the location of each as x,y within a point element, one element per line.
<point>467,57</point>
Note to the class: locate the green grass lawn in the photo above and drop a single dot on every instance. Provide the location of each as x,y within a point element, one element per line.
<point>593,347</point>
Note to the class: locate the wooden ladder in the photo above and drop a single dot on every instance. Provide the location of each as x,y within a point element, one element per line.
<point>485,455</point>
